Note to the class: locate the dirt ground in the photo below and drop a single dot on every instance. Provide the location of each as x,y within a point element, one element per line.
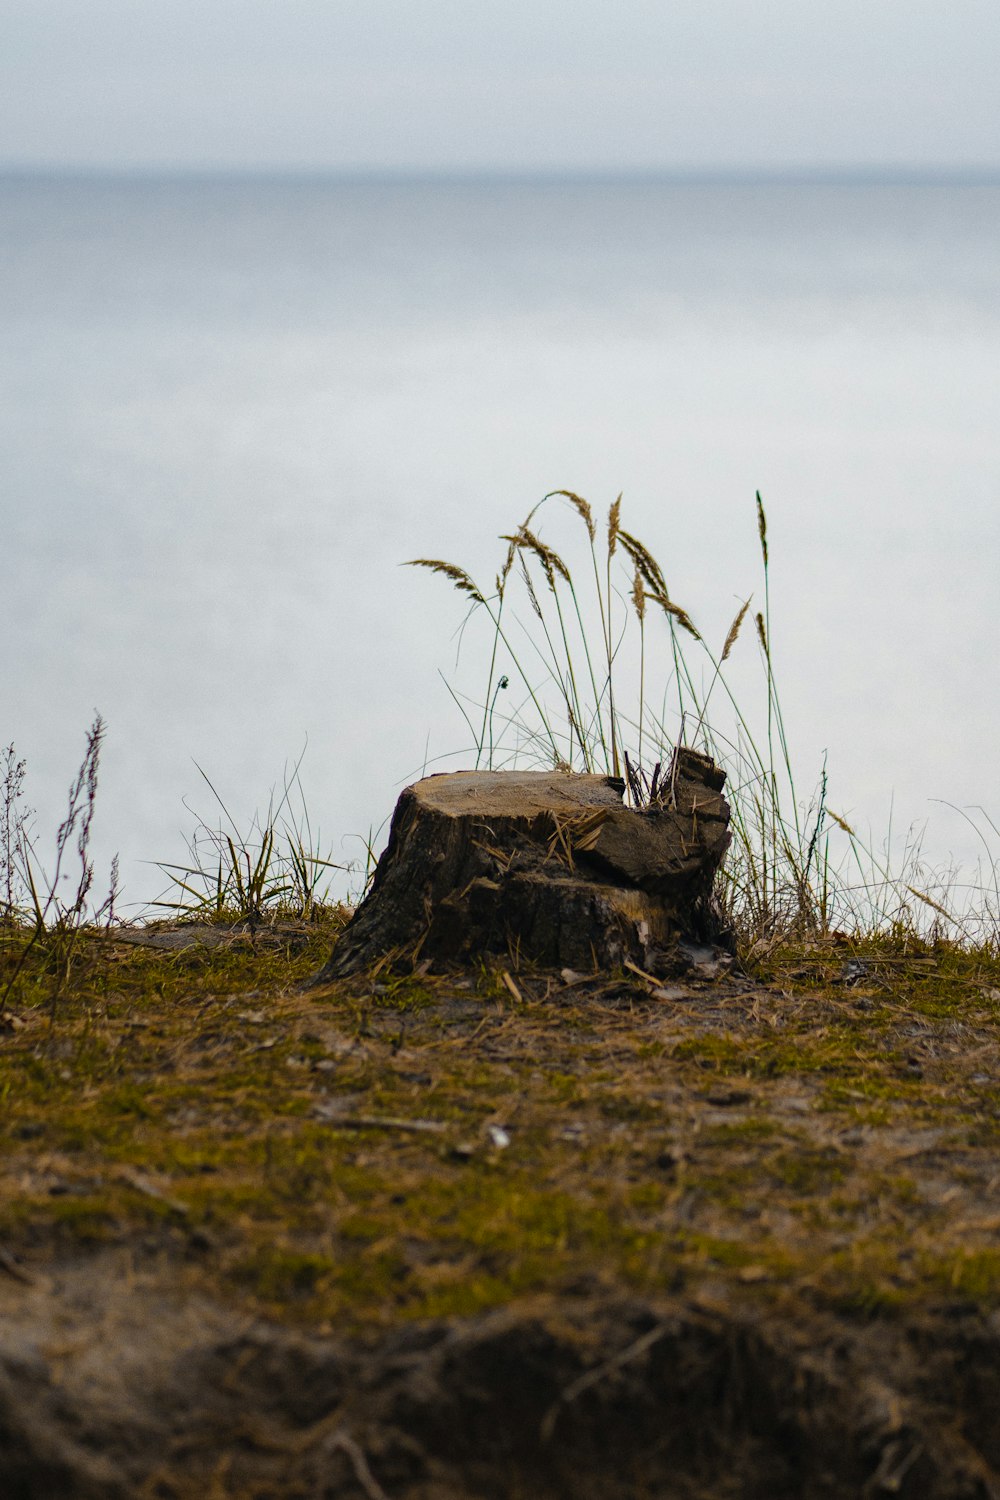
<point>499,1234</point>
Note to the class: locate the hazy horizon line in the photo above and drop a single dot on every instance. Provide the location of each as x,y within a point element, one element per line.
<point>791,174</point>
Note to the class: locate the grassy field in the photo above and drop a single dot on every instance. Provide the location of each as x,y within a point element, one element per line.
<point>411,1147</point>
<point>217,1180</point>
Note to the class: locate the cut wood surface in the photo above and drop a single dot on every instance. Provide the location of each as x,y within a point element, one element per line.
<point>546,866</point>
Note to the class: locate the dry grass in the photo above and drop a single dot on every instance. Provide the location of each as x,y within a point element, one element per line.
<point>273,866</point>
<point>414,1147</point>
<point>601,691</point>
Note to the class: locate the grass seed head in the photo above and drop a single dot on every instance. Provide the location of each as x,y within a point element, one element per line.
<point>458,576</point>
<point>762,634</point>
<point>530,587</point>
<point>614,525</point>
<point>762,527</point>
<point>734,631</point>
<point>644,560</point>
<point>508,563</point>
<point>677,613</point>
<point>929,901</point>
<point>550,560</point>
<point>582,509</point>
<point>639,595</point>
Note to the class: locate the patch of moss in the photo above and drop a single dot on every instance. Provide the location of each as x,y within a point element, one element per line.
<point>335,1146</point>
<point>740,1132</point>
<point>972,1272</point>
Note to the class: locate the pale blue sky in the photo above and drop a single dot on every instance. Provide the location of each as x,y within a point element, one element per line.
<point>526,84</point>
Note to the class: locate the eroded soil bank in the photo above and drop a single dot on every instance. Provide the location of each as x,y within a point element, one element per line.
<point>497,1235</point>
<point>111,1385</point>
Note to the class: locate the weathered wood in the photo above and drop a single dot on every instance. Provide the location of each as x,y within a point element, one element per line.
<point>546,866</point>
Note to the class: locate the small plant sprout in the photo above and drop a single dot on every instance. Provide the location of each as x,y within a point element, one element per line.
<point>266,868</point>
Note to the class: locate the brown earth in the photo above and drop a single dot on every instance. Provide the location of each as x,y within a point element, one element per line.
<point>498,1235</point>
<point>113,1384</point>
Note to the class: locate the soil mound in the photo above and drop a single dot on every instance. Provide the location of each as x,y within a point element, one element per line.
<point>111,1387</point>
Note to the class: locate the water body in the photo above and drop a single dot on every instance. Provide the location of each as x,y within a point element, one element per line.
<point>229,409</point>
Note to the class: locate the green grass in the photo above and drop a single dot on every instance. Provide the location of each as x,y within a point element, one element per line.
<point>653,1149</point>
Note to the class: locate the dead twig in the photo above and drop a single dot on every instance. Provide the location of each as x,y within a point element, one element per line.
<point>342,1442</point>
<point>140,1184</point>
<point>377,1122</point>
<point>649,978</point>
<point>512,987</point>
<point>593,1376</point>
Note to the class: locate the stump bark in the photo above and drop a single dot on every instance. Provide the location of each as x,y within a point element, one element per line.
<point>549,867</point>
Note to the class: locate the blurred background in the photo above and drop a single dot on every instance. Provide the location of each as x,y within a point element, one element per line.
<point>292,294</point>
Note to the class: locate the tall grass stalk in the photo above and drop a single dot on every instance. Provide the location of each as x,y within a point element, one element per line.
<point>15,818</point>
<point>585,656</point>
<point>36,911</point>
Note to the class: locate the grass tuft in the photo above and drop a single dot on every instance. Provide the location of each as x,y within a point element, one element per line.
<point>271,867</point>
<point>604,688</point>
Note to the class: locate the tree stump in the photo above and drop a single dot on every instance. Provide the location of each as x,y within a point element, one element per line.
<point>545,866</point>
